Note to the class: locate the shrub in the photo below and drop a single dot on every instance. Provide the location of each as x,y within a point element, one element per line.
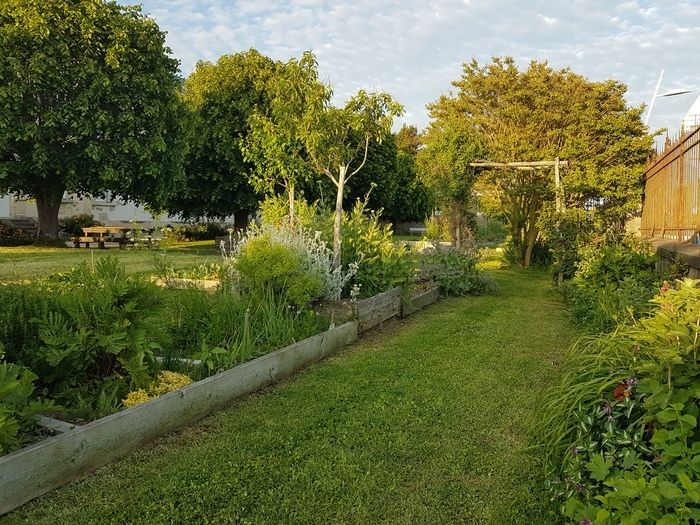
<point>541,255</point>
<point>274,211</point>
<point>74,225</point>
<point>314,255</point>
<point>614,282</point>
<point>102,326</point>
<point>619,435</point>
<point>17,408</point>
<point>381,263</point>
<point>265,264</point>
<point>15,236</point>
<point>203,231</point>
<point>456,272</point>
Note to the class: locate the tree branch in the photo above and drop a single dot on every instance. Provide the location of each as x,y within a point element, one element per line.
<point>364,159</point>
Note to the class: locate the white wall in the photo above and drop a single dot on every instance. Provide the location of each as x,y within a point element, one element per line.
<point>5,206</point>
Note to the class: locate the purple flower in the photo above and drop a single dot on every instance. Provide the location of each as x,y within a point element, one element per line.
<point>585,521</point>
<point>632,381</point>
<point>574,451</point>
<point>607,409</point>
<point>579,487</point>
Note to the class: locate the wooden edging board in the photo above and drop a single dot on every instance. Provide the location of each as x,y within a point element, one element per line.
<point>35,470</point>
<point>420,300</point>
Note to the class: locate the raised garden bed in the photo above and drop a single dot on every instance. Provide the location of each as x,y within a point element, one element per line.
<point>32,471</point>
<point>35,470</point>
<point>420,300</point>
<point>368,312</point>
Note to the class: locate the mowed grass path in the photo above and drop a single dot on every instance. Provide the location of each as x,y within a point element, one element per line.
<point>423,422</point>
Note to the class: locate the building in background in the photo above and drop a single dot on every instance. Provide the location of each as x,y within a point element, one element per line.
<point>104,210</point>
<point>692,117</point>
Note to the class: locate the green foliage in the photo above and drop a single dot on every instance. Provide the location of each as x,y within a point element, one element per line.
<point>540,113</point>
<point>74,225</point>
<point>221,98</point>
<point>493,230</point>
<point>17,408</point>
<point>304,134</point>
<point>203,231</point>
<point>382,264</point>
<point>620,433</point>
<point>264,264</point>
<point>456,272</point>
<point>444,168</point>
<point>101,325</point>
<point>613,283</point>
<point>89,104</point>
<point>566,233</point>
<point>274,210</point>
<point>541,256</point>
<point>224,329</point>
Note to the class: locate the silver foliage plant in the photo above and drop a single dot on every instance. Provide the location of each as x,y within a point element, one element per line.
<point>315,254</point>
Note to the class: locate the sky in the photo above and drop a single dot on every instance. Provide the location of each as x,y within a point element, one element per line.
<point>414,49</point>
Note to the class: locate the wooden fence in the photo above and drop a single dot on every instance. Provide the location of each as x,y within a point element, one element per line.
<point>671,193</point>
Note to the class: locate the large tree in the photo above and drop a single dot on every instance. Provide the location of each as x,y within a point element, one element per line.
<point>88,104</point>
<point>540,114</point>
<point>305,132</point>
<point>221,98</point>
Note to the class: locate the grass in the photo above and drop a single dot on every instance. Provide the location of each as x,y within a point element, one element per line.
<point>423,422</point>
<point>28,262</point>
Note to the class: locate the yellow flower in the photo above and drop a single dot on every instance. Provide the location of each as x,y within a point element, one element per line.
<point>136,397</point>
<point>169,382</point>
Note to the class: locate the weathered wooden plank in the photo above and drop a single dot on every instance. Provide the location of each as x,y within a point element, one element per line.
<point>37,469</point>
<point>419,301</point>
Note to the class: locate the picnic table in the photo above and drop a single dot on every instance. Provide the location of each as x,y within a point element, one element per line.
<point>124,235</point>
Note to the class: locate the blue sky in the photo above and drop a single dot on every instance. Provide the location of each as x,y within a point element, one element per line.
<point>414,49</point>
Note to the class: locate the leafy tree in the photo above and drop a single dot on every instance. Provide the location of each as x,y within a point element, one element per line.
<point>412,201</point>
<point>304,132</point>
<point>221,98</point>
<point>88,104</point>
<point>450,145</point>
<point>542,113</point>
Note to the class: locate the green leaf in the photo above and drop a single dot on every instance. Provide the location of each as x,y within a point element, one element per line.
<point>599,467</point>
<point>669,491</point>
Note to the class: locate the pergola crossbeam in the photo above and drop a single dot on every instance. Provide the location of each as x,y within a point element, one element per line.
<point>520,165</point>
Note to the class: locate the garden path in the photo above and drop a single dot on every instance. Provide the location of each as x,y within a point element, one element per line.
<point>424,421</point>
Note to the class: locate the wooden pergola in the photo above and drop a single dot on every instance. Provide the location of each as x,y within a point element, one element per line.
<point>531,166</point>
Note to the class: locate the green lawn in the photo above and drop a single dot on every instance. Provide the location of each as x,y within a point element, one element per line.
<point>423,422</point>
<point>27,262</point>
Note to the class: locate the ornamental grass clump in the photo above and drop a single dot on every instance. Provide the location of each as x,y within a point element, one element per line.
<point>619,436</point>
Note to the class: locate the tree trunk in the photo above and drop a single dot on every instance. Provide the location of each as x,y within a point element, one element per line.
<point>532,232</point>
<point>240,220</point>
<point>47,204</point>
<point>338,222</point>
<point>458,234</point>
<point>290,192</point>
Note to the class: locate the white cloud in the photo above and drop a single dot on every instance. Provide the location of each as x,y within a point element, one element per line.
<point>415,48</point>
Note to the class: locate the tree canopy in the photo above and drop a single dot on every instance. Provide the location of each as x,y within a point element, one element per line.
<point>304,132</point>
<point>221,98</point>
<point>541,113</point>
<point>88,104</point>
